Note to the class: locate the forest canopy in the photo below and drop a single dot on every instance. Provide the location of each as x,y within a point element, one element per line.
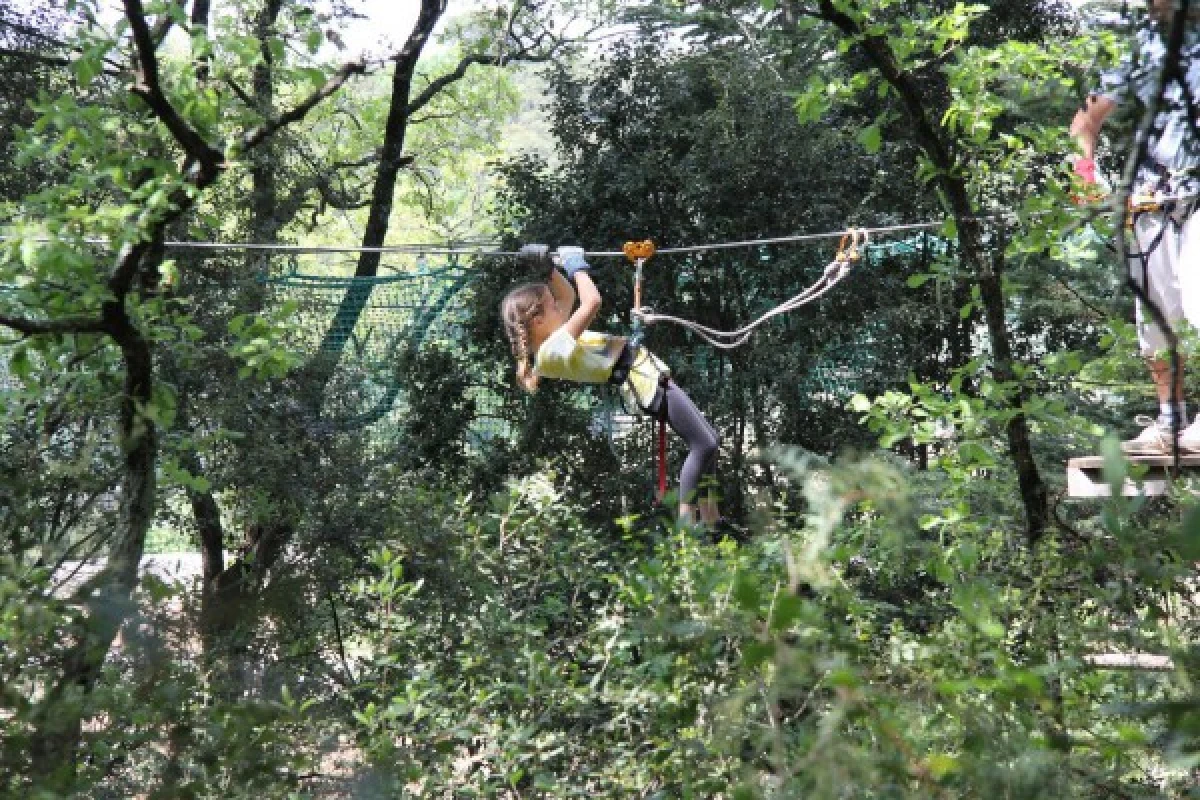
<point>278,520</point>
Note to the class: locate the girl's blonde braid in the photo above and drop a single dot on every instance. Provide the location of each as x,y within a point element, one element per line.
<point>525,372</point>
<point>519,306</point>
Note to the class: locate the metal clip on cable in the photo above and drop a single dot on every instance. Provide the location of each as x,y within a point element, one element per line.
<point>850,251</point>
<point>638,253</point>
<point>853,243</point>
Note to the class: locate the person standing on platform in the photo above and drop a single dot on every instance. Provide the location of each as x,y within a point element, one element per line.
<point>1165,257</point>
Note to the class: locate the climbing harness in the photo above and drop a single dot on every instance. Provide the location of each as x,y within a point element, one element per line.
<point>662,455</point>
<point>849,252</point>
<point>1175,212</point>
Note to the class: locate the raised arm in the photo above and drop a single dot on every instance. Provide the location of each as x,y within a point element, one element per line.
<point>563,291</point>
<point>537,259</point>
<point>576,268</point>
<point>1088,121</point>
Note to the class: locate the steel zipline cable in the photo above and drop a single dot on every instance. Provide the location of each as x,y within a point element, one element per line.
<point>485,249</point>
<point>834,272</point>
<point>489,249</point>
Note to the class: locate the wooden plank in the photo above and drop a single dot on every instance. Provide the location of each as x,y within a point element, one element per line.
<point>1148,662</point>
<point>1085,475</point>
<point>1186,460</point>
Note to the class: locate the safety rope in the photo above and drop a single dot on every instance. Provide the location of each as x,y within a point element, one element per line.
<point>849,251</point>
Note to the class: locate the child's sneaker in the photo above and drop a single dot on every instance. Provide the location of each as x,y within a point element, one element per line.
<point>1154,440</point>
<point>1189,438</point>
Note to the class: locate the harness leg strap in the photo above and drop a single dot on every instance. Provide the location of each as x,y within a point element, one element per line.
<point>662,458</point>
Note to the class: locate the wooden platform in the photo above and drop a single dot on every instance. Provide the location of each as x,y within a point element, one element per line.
<point>1145,662</point>
<point>1085,476</point>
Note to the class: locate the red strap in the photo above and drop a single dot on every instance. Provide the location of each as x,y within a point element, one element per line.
<point>662,459</point>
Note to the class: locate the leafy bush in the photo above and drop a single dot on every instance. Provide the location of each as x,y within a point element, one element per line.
<point>825,659</point>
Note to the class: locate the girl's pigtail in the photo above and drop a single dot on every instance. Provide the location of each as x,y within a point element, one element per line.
<point>519,306</point>
<point>526,375</point>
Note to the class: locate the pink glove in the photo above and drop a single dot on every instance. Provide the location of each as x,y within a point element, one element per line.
<point>1085,168</point>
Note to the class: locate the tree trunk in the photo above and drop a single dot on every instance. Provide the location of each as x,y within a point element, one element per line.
<point>735,501</point>
<point>209,530</point>
<point>58,715</point>
<point>264,218</point>
<point>106,599</point>
<point>265,542</point>
<point>987,272</point>
<point>391,161</point>
<point>759,420</point>
<point>227,591</point>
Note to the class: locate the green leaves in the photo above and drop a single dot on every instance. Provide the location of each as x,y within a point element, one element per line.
<point>260,343</point>
<point>1187,541</point>
<point>746,592</point>
<point>176,475</point>
<point>871,138</point>
<point>20,363</point>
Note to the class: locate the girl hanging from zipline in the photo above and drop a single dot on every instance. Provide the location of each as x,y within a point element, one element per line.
<point>550,339</point>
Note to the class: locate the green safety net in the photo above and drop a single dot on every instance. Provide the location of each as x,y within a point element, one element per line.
<point>865,349</point>
<point>418,302</point>
<point>372,327</point>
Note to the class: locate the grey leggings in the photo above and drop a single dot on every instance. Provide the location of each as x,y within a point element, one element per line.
<point>702,439</point>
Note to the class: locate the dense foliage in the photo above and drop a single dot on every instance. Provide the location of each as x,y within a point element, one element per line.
<point>904,604</point>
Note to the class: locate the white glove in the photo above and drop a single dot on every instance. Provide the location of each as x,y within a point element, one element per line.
<point>571,260</point>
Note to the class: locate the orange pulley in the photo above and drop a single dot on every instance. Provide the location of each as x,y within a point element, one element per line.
<point>637,253</point>
<point>638,250</point>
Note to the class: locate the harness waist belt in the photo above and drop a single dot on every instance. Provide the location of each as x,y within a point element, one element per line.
<point>624,363</point>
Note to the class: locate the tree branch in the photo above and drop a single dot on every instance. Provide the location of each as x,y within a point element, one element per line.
<point>940,150</point>
<point>365,161</point>
<point>441,82</point>
<point>164,25</point>
<point>199,22</point>
<point>33,327</point>
<point>30,32</point>
<point>114,69</point>
<point>200,12</point>
<point>258,135</point>
<point>459,72</point>
<point>54,61</point>
<point>239,91</point>
<point>321,182</point>
<point>881,54</point>
<point>150,90</point>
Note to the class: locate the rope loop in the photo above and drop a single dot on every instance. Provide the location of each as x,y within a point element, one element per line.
<point>850,250</point>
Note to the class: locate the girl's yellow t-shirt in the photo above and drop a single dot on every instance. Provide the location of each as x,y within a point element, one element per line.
<point>590,359</point>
